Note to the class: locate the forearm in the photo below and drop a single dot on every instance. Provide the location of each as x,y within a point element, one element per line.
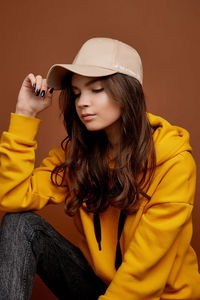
<point>17,156</point>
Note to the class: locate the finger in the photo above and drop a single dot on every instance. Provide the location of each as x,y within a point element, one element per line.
<point>50,91</point>
<point>29,79</point>
<point>43,88</point>
<point>38,84</point>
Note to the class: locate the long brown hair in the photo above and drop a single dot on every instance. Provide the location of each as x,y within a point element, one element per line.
<point>93,184</point>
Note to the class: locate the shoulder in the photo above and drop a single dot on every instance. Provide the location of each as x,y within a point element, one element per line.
<point>182,164</point>
<point>174,181</point>
<point>186,160</point>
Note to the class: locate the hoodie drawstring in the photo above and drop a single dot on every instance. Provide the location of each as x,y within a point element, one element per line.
<point>118,257</point>
<point>97,229</point>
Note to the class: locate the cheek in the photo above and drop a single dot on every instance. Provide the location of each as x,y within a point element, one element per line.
<point>112,110</point>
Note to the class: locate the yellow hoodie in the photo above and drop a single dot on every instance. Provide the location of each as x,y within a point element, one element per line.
<point>158,261</point>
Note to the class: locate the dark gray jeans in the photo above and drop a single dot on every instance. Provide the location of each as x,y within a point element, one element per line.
<point>29,245</point>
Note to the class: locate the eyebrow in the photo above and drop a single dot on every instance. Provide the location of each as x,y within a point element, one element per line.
<point>89,82</point>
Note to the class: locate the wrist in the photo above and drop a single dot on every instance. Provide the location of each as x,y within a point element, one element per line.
<point>25,113</point>
<point>23,126</point>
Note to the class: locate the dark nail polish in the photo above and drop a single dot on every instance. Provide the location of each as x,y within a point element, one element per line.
<point>51,90</point>
<point>34,86</point>
<point>42,93</point>
<point>37,92</point>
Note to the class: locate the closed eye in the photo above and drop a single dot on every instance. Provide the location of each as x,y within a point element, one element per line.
<point>98,91</point>
<point>94,91</point>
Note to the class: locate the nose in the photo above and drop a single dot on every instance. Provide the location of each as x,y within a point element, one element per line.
<point>83,100</point>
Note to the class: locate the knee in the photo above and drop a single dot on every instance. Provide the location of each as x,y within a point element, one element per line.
<point>15,217</point>
<point>17,221</point>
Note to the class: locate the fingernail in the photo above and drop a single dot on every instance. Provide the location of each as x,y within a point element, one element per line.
<point>51,90</point>
<point>34,86</point>
<point>37,92</point>
<point>42,93</point>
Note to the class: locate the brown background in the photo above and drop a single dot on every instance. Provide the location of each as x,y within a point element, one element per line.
<point>36,34</point>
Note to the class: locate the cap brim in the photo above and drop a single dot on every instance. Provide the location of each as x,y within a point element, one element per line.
<point>57,73</point>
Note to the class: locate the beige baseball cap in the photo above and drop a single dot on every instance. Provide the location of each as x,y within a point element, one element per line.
<point>98,57</point>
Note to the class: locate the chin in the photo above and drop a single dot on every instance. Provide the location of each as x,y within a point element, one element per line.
<point>94,128</point>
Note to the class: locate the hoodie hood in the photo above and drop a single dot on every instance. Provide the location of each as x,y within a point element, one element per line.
<point>169,140</point>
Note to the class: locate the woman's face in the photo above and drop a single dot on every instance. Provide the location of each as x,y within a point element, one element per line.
<point>91,98</point>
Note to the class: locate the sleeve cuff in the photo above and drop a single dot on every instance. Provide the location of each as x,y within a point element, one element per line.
<point>24,126</point>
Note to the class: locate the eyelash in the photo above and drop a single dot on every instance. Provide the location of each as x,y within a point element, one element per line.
<point>94,91</point>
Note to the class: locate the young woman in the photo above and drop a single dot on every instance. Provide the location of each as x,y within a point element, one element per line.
<point>126,176</point>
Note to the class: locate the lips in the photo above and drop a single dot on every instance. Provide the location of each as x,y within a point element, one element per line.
<point>86,115</point>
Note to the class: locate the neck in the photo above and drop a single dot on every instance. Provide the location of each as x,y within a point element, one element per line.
<point>113,148</point>
<point>114,136</point>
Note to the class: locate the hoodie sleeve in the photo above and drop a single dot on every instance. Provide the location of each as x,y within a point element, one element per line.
<point>24,187</point>
<point>161,238</point>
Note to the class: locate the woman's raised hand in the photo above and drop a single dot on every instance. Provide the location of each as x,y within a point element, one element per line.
<point>34,96</point>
